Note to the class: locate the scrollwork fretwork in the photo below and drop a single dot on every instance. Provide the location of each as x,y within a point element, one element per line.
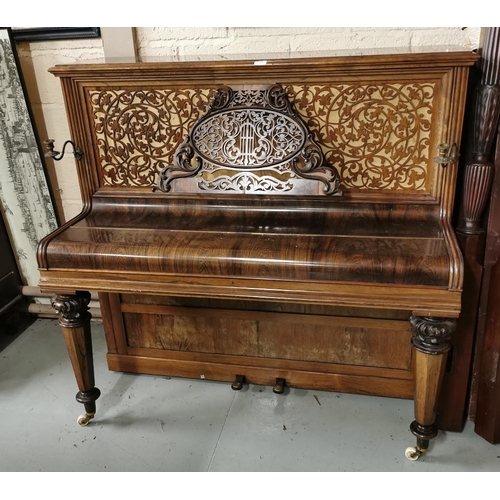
<point>138,130</point>
<point>377,135</point>
<point>247,181</point>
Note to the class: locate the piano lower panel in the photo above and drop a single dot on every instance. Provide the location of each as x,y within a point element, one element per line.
<point>316,348</point>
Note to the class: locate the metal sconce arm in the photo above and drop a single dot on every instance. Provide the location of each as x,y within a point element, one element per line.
<point>51,153</point>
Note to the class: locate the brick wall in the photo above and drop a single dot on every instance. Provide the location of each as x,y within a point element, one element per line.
<point>156,42</point>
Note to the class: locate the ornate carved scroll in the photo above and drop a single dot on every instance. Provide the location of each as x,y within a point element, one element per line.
<point>250,141</point>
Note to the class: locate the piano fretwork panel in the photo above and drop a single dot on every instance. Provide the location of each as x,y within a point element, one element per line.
<point>377,135</point>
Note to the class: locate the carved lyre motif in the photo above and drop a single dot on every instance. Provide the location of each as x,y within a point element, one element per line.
<point>250,141</point>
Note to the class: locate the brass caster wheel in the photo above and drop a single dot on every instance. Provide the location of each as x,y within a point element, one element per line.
<point>85,418</point>
<point>237,385</point>
<point>279,387</point>
<point>412,453</point>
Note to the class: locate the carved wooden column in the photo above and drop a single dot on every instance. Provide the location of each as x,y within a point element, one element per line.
<point>487,366</point>
<point>485,392</point>
<point>484,108</point>
<point>431,343</point>
<point>74,319</point>
<point>477,247</point>
<point>479,170</point>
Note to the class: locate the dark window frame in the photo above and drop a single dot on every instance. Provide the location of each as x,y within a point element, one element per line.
<point>39,34</point>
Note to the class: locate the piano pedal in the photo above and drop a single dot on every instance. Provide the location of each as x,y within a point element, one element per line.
<point>279,386</point>
<point>237,385</point>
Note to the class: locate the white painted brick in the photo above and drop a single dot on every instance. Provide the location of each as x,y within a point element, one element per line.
<point>35,62</point>
<point>270,32</point>
<point>203,47</point>
<point>146,35</point>
<point>442,36</point>
<point>160,44</point>
<point>236,46</point>
<point>474,37</point>
<point>353,39</point>
<point>157,50</point>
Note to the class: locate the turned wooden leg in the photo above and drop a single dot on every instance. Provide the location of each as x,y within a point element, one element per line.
<point>431,342</point>
<point>74,319</point>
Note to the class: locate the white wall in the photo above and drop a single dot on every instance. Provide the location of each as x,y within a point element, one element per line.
<point>46,97</point>
<point>156,42</point>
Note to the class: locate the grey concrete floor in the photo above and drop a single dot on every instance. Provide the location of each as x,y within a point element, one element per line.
<point>149,423</point>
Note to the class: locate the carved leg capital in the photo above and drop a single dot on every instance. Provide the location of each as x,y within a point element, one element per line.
<point>432,335</point>
<point>73,309</point>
